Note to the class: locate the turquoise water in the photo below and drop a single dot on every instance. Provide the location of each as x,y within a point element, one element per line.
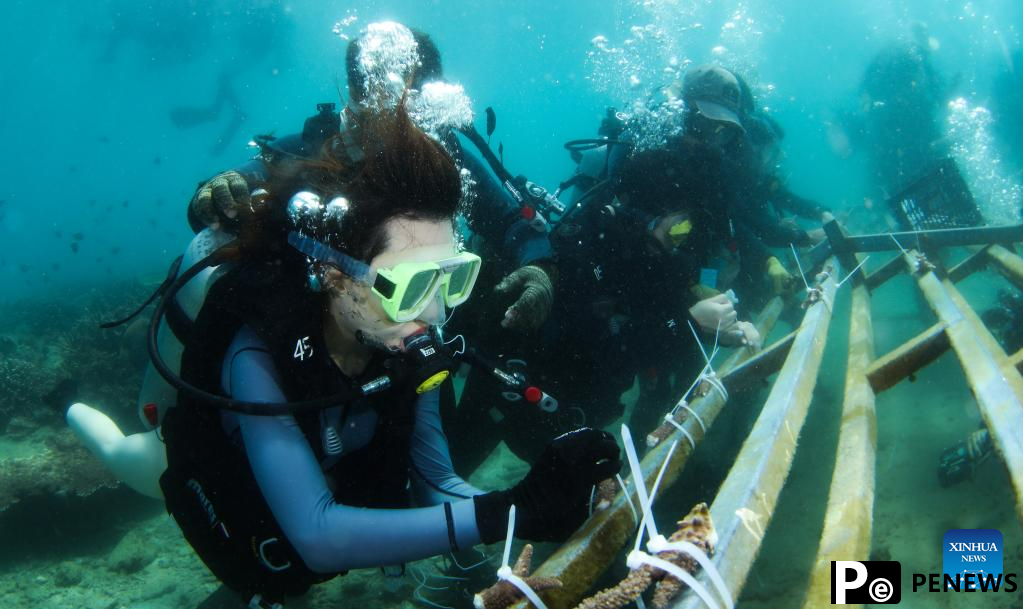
<point>98,174</point>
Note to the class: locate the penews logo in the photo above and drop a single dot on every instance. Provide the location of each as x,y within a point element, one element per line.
<point>859,582</point>
<point>974,557</point>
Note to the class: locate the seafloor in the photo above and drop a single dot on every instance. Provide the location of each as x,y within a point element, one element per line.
<point>71,538</point>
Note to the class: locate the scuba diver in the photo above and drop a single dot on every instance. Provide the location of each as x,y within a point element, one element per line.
<point>1007,109</point>
<point>642,229</point>
<point>901,97</point>
<point>225,100</point>
<point>509,229</point>
<point>307,397</point>
<point>325,316</point>
<point>769,190</point>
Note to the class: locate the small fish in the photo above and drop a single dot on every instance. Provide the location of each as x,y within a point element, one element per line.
<point>124,203</point>
<point>157,160</point>
<point>491,122</point>
<point>55,266</point>
<point>74,246</point>
<point>58,234</point>
<point>159,202</point>
<point>115,250</point>
<point>78,236</point>
<point>24,268</point>
<point>92,202</point>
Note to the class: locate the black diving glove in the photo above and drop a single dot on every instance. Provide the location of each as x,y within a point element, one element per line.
<point>536,294</point>
<point>552,501</point>
<point>222,197</point>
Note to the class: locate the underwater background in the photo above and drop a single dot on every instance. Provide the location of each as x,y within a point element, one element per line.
<point>114,110</point>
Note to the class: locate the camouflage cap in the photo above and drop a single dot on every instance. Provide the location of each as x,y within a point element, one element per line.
<point>714,92</point>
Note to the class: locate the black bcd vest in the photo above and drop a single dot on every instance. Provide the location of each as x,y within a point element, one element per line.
<point>210,488</point>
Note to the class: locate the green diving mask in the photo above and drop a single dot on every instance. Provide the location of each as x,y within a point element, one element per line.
<point>407,288</point>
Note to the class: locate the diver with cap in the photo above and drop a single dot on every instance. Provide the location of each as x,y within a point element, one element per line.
<point>721,114</point>
<point>628,287</point>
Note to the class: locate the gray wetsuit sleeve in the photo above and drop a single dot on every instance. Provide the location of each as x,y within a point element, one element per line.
<point>433,476</point>
<point>329,537</point>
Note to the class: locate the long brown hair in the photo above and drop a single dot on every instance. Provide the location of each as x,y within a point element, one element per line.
<point>404,173</point>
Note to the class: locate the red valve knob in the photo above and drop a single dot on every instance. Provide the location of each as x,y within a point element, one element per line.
<point>151,413</point>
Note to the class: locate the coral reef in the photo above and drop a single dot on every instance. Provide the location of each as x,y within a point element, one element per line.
<point>696,528</point>
<point>52,351</point>
<point>61,466</point>
<point>504,593</point>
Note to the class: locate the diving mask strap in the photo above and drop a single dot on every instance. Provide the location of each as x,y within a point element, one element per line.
<point>322,252</point>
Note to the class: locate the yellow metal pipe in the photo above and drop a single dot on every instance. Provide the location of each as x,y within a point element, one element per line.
<point>746,501</point>
<point>995,382</point>
<point>907,358</point>
<point>847,524</point>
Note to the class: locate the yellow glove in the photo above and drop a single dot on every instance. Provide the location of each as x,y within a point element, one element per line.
<point>781,281</point>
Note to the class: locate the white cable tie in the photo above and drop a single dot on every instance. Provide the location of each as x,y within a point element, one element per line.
<point>679,427</point>
<point>506,574</point>
<point>892,235</point>
<point>716,383</point>
<point>628,499</point>
<point>638,558</point>
<point>697,553</point>
<point>638,481</point>
<point>799,266</point>
<point>664,468</point>
<point>696,416</point>
<point>510,536</point>
<point>851,272</point>
<point>699,343</point>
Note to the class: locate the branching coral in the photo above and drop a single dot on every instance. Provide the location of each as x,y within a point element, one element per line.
<point>696,528</point>
<point>504,593</point>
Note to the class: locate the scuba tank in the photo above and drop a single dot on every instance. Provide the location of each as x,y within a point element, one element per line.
<point>140,459</point>
<point>157,395</point>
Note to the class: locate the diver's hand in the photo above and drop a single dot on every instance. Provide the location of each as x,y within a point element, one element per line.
<point>536,294</point>
<point>741,334</point>
<point>714,314</point>
<point>223,196</point>
<point>553,499</point>
<point>782,282</point>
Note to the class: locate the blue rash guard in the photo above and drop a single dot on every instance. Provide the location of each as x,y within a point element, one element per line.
<point>331,537</point>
